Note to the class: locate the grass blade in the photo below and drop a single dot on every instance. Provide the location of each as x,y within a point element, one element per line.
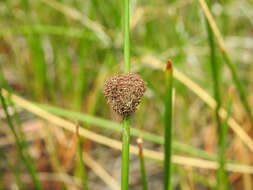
<point>39,66</point>
<point>215,70</point>
<point>240,87</point>
<point>222,177</point>
<point>81,160</point>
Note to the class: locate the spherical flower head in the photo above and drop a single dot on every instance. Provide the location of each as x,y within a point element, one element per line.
<point>123,92</point>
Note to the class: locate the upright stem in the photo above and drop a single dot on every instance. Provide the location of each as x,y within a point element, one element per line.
<point>215,67</point>
<point>81,160</point>
<point>239,85</point>
<point>125,154</point>
<point>168,127</point>
<point>142,165</point>
<point>126,122</point>
<point>126,37</point>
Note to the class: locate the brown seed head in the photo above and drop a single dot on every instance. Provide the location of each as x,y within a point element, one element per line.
<point>123,92</point>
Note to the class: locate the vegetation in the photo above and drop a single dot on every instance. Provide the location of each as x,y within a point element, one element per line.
<point>192,128</point>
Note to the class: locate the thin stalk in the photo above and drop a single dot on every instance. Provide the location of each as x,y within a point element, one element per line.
<point>142,165</point>
<point>125,154</point>
<point>15,170</point>
<point>81,160</point>
<point>168,127</point>
<point>240,87</point>
<point>2,79</point>
<point>223,185</point>
<point>38,65</point>
<point>126,120</point>
<point>79,91</point>
<point>127,65</point>
<point>25,157</point>
<point>82,74</point>
<point>215,68</point>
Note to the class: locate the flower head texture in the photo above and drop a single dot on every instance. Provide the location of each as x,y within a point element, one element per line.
<point>123,92</point>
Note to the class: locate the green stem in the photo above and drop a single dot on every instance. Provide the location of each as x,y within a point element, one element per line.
<point>14,169</point>
<point>81,161</point>
<point>215,67</point>
<point>168,128</point>
<point>127,65</point>
<point>126,121</point>
<point>240,88</point>
<point>221,132</point>
<point>125,154</point>
<point>142,165</point>
<point>26,158</point>
<point>223,183</point>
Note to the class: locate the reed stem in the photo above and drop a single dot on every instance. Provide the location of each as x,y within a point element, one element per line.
<point>215,70</point>
<point>142,165</point>
<point>125,154</point>
<point>127,66</point>
<point>216,86</point>
<point>168,127</point>
<point>126,121</point>
<point>81,160</point>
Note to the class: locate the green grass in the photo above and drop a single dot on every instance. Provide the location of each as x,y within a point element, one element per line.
<point>55,57</point>
<point>15,170</point>
<point>126,119</point>
<point>222,176</point>
<point>125,154</point>
<point>241,90</point>
<point>21,148</point>
<point>81,162</point>
<point>216,77</point>
<point>142,165</point>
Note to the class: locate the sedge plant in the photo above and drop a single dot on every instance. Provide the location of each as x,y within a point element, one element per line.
<point>168,127</point>
<point>123,93</point>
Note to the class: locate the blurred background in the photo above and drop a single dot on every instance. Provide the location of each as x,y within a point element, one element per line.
<point>58,53</point>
